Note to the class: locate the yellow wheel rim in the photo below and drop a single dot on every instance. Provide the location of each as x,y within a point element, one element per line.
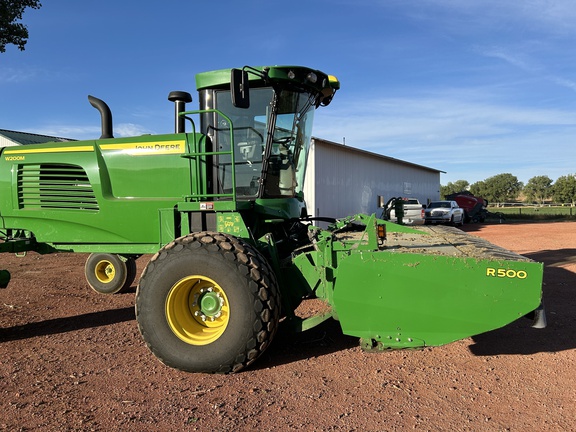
<point>105,271</point>
<point>197,310</point>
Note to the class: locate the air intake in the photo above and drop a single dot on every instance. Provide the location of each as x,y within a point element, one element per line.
<point>55,186</point>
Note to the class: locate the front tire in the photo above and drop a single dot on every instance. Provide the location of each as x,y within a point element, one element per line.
<point>208,302</point>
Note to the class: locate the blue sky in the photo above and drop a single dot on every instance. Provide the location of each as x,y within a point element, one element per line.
<point>473,88</point>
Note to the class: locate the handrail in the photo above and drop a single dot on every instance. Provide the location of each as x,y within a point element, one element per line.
<point>196,154</point>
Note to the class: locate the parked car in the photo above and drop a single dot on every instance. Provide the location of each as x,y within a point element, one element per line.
<point>413,211</point>
<point>444,212</point>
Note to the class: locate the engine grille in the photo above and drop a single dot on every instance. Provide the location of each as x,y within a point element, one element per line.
<point>55,186</point>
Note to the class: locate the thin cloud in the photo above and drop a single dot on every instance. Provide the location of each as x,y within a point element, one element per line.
<point>131,129</point>
<point>514,57</point>
<point>564,82</point>
<point>554,17</point>
<point>68,131</point>
<point>91,132</point>
<point>460,137</point>
<point>13,76</point>
<point>439,118</point>
<point>524,59</point>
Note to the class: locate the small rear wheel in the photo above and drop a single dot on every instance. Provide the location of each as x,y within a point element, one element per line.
<point>208,302</point>
<point>109,273</point>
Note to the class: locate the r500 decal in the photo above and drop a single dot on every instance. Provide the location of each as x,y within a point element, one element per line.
<point>506,273</point>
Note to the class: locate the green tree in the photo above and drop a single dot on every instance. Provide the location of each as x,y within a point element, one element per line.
<point>564,189</point>
<point>538,189</point>
<point>498,189</point>
<point>479,189</point>
<point>451,188</point>
<point>12,32</point>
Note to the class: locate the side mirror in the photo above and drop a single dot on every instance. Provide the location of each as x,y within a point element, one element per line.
<point>240,88</point>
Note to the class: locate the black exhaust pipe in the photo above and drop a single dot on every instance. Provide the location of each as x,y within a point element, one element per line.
<point>105,115</point>
<point>180,99</point>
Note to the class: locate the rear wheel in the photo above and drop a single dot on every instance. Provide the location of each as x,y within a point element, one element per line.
<point>208,302</point>
<point>109,273</point>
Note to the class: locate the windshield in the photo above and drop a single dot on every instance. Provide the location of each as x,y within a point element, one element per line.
<point>271,141</point>
<point>286,162</point>
<point>439,204</point>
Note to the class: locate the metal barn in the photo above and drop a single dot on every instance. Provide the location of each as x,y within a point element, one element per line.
<point>343,180</point>
<point>10,138</point>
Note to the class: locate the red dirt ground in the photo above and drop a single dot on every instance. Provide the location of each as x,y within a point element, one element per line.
<point>72,359</point>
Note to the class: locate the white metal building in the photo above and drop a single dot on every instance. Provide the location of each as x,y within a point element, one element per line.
<point>342,180</point>
<point>12,138</point>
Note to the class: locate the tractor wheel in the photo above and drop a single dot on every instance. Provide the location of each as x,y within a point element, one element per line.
<point>108,273</point>
<point>208,302</point>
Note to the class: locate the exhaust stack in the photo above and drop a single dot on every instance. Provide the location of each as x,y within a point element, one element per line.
<point>105,115</point>
<point>180,99</point>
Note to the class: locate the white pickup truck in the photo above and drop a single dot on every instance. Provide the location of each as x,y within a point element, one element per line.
<point>444,212</point>
<point>413,211</point>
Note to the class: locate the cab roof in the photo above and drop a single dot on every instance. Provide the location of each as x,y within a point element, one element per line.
<point>314,80</point>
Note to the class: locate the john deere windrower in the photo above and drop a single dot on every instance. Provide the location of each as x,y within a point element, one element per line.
<point>220,205</point>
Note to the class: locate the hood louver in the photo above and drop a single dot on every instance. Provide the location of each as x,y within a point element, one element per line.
<point>55,186</point>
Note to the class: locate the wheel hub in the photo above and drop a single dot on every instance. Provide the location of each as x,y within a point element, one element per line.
<point>197,310</point>
<point>211,304</point>
<point>105,271</point>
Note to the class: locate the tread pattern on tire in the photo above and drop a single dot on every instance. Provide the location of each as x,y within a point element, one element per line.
<point>261,281</point>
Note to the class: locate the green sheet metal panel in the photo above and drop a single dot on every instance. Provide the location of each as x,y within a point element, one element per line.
<point>99,192</point>
<point>405,300</point>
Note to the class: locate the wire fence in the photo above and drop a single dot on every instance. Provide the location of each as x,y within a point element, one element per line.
<point>546,210</point>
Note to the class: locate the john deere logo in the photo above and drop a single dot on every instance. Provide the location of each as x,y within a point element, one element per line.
<point>148,148</point>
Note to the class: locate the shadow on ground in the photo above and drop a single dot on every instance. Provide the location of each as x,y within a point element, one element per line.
<point>289,347</point>
<point>67,324</point>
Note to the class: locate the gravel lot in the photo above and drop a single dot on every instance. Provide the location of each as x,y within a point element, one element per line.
<point>71,359</point>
